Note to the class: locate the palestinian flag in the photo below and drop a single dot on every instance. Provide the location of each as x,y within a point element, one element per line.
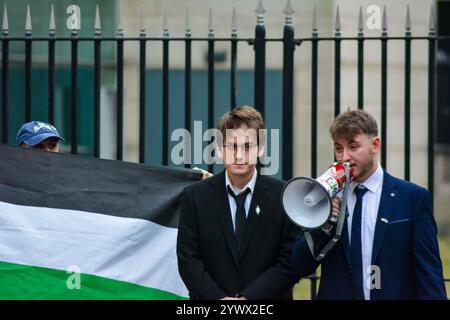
<point>73,227</point>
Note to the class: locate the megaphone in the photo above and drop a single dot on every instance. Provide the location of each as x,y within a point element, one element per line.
<point>308,202</point>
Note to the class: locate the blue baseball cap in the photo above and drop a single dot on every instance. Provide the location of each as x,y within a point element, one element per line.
<point>34,132</point>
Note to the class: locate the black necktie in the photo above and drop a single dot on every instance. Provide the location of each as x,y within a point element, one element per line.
<point>240,216</point>
<point>355,246</point>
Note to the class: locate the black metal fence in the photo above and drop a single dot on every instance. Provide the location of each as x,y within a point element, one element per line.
<point>259,41</point>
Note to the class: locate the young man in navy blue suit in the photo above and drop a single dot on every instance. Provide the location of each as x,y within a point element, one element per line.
<point>234,241</point>
<point>389,247</point>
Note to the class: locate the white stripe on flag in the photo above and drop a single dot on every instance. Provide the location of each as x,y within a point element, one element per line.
<point>126,249</point>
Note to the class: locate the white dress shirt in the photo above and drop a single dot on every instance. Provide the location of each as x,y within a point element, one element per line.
<point>237,191</point>
<point>369,212</point>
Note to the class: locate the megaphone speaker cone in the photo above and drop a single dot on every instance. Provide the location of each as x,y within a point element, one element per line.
<point>306,202</point>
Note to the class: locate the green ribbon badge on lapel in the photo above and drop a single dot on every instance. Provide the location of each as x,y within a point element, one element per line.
<point>257,210</point>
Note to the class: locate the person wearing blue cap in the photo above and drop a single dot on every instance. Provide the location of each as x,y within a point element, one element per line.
<point>39,135</point>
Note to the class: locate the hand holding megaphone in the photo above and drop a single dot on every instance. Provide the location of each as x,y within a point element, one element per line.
<point>336,205</point>
<point>309,202</point>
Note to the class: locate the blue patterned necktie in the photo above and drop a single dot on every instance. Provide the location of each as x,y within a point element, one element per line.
<point>355,246</point>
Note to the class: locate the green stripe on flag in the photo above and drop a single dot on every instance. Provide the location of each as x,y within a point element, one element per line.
<point>18,281</point>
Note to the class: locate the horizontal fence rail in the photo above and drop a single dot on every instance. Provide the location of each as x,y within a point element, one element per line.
<point>289,44</point>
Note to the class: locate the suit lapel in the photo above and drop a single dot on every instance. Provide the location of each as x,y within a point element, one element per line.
<point>259,199</point>
<point>219,197</point>
<point>387,201</point>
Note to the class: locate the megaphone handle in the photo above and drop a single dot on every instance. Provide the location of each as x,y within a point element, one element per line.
<point>343,208</point>
<point>339,227</point>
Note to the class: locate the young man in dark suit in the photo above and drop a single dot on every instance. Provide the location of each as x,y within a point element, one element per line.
<point>389,247</point>
<point>234,242</point>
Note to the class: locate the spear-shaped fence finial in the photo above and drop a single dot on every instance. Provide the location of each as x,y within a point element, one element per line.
<point>187,25</point>
<point>360,21</point>
<point>234,23</point>
<point>260,13</point>
<point>210,23</point>
<point>408,20</point>
<point>119,32</point>
<point>165,24</point>
<point>5,27</point>
<point>432,23</point>
<point>28,28</point>
<point>97,23</point>
<point>384,21</point>
<point>51,25</point>
<point>337,22</point>
<point>288,11</point>
<point>314,21</point>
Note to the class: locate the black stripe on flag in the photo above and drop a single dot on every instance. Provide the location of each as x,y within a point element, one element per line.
<point>124,189</point>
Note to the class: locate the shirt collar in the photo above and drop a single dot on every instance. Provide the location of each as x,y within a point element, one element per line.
<point>236,190</point>
<point>372,183</point>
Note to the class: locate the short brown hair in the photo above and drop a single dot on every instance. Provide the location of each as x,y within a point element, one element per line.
<point>237,117</point>
<point>351,123</point>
